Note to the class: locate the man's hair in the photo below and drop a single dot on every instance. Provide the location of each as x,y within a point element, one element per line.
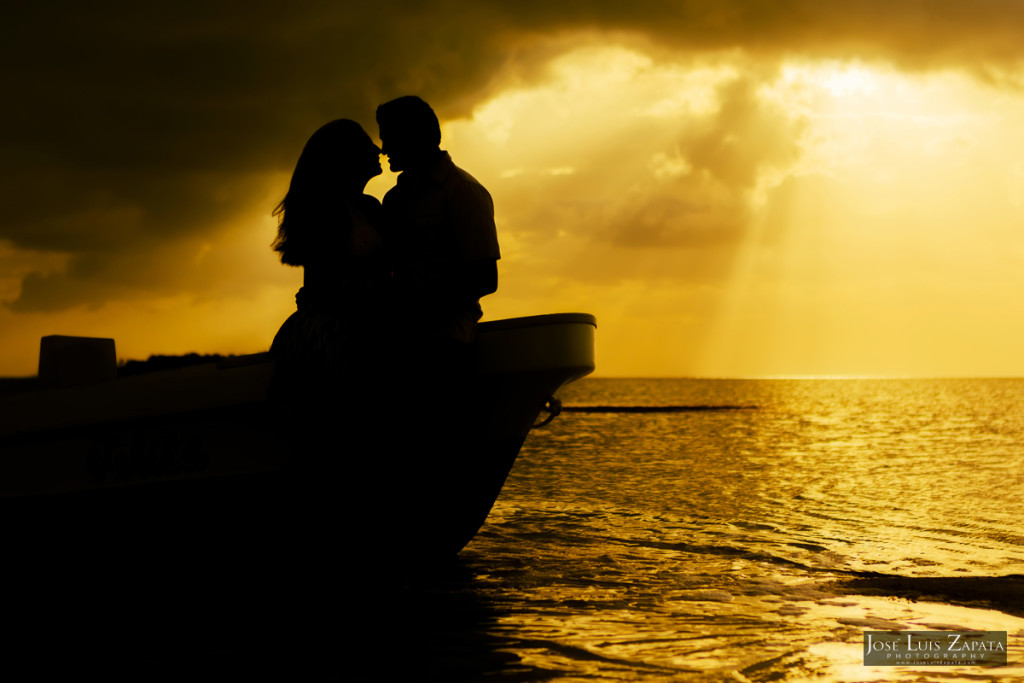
<point>413,116</point>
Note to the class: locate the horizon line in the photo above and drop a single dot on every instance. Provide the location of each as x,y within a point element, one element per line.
<point>803,377</point>
<point>736,377</point>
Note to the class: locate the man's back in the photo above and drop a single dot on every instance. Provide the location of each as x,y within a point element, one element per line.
<point>440,224</point>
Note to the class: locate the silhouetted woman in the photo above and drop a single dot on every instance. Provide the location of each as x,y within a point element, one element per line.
<point>330,228</point>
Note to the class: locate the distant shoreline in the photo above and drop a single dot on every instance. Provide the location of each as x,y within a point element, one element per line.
<point>125,368</point>
<point>132,367</point>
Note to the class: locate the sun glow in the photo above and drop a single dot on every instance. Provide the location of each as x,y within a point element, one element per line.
<point>848,81</point>
<point>742,225</point>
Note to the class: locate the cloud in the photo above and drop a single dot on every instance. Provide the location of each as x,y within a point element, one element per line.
<point>132,130</point>
<point>938,33</point>
<point>669,193</point>
<point>702,195</point>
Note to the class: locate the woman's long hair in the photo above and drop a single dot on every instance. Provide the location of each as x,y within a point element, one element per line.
<point>312,218</point>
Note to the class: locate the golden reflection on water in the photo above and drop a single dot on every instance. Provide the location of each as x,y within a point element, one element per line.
<point>722,545</point>
<point>749,623</point>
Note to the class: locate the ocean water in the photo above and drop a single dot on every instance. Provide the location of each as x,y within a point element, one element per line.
<point>753,543</point>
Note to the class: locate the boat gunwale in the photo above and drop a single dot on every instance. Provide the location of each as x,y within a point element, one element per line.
<point>490,326</point>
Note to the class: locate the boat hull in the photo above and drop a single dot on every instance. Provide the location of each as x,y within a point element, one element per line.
<point>193,467</point>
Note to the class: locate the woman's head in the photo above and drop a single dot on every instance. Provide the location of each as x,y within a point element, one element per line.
<point>337,161</point>
<point>339,155</point>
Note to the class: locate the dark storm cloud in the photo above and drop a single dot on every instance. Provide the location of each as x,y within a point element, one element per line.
<point>128,127</point>
<point>915,33</point>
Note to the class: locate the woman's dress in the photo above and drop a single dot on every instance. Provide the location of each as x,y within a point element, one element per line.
<point>320,351</point>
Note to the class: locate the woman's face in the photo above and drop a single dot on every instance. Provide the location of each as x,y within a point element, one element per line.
<point>366,158</point>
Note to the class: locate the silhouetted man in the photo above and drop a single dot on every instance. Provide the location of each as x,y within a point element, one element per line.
<point>440,222</point>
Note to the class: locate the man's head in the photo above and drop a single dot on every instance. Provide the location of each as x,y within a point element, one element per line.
<point>409,132</point>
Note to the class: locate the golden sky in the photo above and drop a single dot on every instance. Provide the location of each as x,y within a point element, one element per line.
<point>734,189</point>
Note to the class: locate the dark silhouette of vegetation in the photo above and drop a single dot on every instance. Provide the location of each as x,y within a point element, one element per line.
<point>126,368</point>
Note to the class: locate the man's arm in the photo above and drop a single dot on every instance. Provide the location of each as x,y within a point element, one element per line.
<point>456,284</point>
<point>477,239</point>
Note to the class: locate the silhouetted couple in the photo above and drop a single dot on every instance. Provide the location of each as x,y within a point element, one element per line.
<point>390,299</point>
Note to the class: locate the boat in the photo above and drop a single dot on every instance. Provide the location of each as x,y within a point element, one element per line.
<point>191,467</point>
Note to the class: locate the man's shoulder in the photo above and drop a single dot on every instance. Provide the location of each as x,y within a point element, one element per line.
<point>463,184</point>
<point>464,178</point>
